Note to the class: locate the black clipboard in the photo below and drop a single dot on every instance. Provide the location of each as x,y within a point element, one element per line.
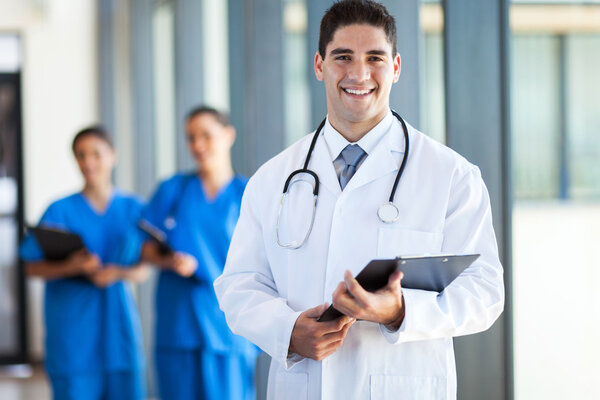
<point>431,273</point>
<point>57,244</point>
<point>157,235</point>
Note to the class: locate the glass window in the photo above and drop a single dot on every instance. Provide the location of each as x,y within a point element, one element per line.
<point>296,90</point>
<point>433,113</point>
<point>10,218</point>
<point>555,59</point>
<point>164,89</point>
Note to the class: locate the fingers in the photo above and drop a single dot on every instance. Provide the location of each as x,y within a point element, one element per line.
<point>354,288</point>
<point>339,334</point>
<point>345,303</point>
<point>184,264</point>
<point>316,312</point>
<point>395,279</point>
<point>331,342</point>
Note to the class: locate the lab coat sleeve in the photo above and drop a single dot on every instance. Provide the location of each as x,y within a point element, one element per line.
<point>474,300</point>
<point>247,292</point>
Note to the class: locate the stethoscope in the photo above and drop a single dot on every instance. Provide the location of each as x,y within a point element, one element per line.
<point>387,212</point>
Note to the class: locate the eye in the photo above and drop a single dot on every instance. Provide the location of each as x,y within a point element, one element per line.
<point>343,58</point>
<point>375,58</point>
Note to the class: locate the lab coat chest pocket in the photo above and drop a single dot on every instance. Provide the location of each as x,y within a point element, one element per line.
<point>291,386</point>
<point>394,241</point>
<point>385,387</point>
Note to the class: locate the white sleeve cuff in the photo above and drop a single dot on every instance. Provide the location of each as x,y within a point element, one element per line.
<point>414,300</point>
<point>283,356</point>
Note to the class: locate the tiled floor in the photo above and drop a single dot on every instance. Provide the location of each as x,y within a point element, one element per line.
<point>34,387</point>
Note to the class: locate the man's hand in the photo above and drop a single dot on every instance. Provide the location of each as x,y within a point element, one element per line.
<point>106,276</point>
<point>318,340</point>
<point>385,306</point>
<point>184,264</point>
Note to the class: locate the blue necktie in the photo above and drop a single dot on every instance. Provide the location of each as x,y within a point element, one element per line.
<point>352,155</point>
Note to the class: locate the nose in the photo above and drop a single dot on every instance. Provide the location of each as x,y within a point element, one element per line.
<point>359,71</point>
<point>198,143</point>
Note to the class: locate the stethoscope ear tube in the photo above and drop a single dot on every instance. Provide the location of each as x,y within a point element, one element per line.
<point>404,159</point>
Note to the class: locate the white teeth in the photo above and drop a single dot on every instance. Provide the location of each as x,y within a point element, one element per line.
<point>358,92</point>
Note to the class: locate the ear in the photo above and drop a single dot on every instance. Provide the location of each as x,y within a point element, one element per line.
<point>115,157</point>
<point>230,131</point>
<point>318,66</point>
<point>397,67</point>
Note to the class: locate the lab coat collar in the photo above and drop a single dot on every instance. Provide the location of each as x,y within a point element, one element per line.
<point>322,165</point>
<point>336,142</point>
<point>384,159</point>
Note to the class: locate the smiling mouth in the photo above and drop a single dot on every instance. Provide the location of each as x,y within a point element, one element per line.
<point>358,92</point>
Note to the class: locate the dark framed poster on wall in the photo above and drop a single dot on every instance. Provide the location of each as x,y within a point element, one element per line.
<point>13,329</point>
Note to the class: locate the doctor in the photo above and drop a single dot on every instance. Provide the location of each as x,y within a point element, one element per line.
<point>284,266</point>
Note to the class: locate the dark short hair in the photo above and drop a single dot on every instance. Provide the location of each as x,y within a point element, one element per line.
<point>220,116</point>
<point>348,12</point>
<point>97,131</point>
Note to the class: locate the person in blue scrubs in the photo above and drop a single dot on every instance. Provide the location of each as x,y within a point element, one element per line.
<point>93,331</point>
<point>197,356</point>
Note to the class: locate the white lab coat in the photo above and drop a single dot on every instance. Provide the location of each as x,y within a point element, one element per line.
<point>444,208</point>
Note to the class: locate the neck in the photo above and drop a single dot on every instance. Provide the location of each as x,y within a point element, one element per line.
<point>217,176</point>
<point>98,194</point>
<point>354,131</point>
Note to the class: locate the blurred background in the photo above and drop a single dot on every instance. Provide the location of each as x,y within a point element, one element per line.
<point>512,85</point>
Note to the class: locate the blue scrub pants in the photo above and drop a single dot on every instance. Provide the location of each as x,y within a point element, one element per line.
<point>194,374</point>
<point>118,385</point>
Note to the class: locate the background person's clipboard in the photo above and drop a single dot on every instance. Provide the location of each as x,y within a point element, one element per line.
<point>56,244</point>
<point>431,273</point>
<point>159,237</point>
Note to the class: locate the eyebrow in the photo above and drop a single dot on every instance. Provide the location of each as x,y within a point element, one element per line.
<point>340,50</point>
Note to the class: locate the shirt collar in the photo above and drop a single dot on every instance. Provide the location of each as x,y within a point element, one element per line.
<point>336,142</point>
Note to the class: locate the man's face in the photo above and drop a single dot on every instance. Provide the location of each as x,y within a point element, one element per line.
<point>358,71</point>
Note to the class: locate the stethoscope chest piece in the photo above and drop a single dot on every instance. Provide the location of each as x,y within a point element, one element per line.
<point>388,212</point>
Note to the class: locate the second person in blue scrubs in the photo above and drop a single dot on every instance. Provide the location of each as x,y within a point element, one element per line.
<point>197,356</point>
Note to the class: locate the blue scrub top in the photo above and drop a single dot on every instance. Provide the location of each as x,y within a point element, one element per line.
<point>90,329</point>
<point>188,314</point>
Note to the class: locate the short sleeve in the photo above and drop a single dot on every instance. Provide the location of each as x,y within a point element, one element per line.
<point>30,250</point>
<point>134,238</point>
<point>158,207</point>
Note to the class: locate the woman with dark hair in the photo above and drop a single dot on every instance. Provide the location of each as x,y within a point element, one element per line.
<point>93,331</point>
<point>197,356</point>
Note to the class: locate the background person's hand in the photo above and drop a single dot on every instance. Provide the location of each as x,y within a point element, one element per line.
<point>84,262</point>
<point>385,306</point>
<point>106,276</point>
<point>184,264</point>
<point>318,340</point>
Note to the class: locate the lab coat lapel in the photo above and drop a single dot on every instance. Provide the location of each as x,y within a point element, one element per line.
<point>321,163</point>
<point>385,158</point>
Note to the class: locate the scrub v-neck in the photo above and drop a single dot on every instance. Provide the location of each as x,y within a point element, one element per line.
<point>219,195</point>
<point>94,210</point>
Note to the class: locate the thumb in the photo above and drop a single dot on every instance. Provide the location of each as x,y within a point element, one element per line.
<point>316,312</point>
<point>395,278</point>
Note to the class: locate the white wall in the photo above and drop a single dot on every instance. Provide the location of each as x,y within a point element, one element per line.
<point>59,47</point>
<point>556,303</point>
<point>59,90</point>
